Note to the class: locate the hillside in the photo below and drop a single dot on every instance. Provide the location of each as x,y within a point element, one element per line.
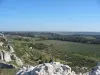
<point>77,33</point>
<point>37,50</point>
<point>67,52</point>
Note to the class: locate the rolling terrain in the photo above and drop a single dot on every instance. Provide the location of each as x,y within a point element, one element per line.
<point>64,51</point>
<point>37,49</point>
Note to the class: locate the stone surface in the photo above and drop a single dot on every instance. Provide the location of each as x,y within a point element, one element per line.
<point>5,56</point>
<point>54,68</point>
<point>1,43</point>
<point>47,69</point>
<point>9,56</point>
<point>19,61</point>
<point>95,70</point>
<point>11,48</point>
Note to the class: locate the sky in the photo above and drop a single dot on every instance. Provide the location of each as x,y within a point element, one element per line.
<point>50,15</point>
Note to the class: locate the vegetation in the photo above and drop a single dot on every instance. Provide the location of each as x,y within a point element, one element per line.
<point>74,50</point>
<point>8,71</point>
<point>74,54</point>
<point>79,39</point>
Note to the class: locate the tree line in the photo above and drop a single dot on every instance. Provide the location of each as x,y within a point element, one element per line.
<point>73,38</point>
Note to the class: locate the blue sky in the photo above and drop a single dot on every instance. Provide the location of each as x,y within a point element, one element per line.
<point>50,15</point>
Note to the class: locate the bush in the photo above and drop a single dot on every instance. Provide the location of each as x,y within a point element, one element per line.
<point>40,46</point>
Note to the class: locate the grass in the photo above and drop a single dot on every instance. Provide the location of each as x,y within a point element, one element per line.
<point>78,47</point>
<point>78,53</point>
<point>8,71</point>
<point>71,53</point>
<point>89,37</point>
<point>73,47</point>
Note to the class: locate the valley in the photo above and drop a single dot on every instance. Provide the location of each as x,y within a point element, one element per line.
<point>39,49</point>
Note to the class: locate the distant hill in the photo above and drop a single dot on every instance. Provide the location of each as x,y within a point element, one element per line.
<point>78,33</point>
<point>25,33</point>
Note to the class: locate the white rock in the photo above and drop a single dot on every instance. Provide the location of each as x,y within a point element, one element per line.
<point>11,49</point>
<point>1,56</point>
<point>47,69</point>
<point>96,70</point>
<point>7,57</point>
<point>19,61</point>
<point>1,43</point>
<point>31,48</point>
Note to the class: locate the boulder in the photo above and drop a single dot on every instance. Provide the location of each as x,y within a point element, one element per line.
<point>47,69</point>
<point>54,68</point>
<point>5,56</point>
<point>1,44</point>
<point>95,70</point>
<point>11,48</point>
<point>18,60</point>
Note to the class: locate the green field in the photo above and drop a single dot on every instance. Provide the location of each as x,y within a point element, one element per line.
<point>81,54</point>
<point>89,37</point>
<point>73,47</point>
<point>8,71</point>
<point>71,53</point>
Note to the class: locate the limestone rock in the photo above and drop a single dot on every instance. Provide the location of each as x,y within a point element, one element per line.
<point>19,61</point>
<point>31,48</point>
<point>47,69</point>
<point>5,56</point>
<point>95,70</point>
<point>11,48</point>
<point>1,43</point>
<point>54,68</point>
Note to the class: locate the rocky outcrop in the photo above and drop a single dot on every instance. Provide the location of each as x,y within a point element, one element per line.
<point>11,48</point>
<point>8,55</point>
<point>1,44</point>
<point>5,56</point>
<point>17,60</point>
<point>95,70</point>
<point>54,68</point>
